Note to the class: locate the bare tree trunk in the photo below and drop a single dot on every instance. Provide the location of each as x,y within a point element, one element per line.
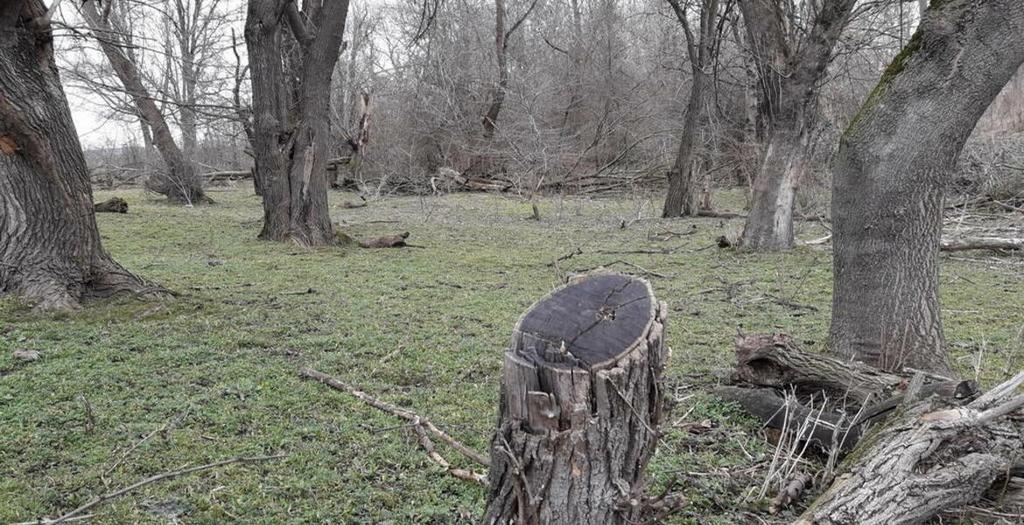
<point>893,165</point>
<point>769,224</point>
<point>581,401</point>
<point>684,189</point>
<point>292,149</point>
<point>490,119</point>
<point>181,183</point>
<point>788,76</point>
<point>571,119</point>
<point>50,249</point>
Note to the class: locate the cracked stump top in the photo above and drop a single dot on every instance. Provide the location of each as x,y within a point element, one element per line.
<point>588,324</point>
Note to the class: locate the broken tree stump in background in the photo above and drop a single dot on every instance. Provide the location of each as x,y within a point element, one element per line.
<point>580,405</point>
<point>111,205</point>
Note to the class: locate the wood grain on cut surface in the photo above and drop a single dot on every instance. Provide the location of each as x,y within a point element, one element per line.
<point>597,320</point>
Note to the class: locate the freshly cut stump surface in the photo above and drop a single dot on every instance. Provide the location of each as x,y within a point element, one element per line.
<point>581,401</point>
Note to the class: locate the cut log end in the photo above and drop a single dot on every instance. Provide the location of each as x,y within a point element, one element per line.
<point>588,324</point>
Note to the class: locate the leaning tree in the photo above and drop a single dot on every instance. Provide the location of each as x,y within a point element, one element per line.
<point>50,249</point>
<point>894,163</point>
<point>291,112</point>
<point>180,183</point>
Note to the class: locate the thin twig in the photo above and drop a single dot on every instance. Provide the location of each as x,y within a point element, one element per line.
<point>153,479</point>
<point>384,406</point>
<point>428,446</point>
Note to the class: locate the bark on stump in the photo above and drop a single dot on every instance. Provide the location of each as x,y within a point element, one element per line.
<point>581,401</point>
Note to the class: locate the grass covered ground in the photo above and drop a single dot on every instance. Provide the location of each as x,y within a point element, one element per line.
<point>423,328</point>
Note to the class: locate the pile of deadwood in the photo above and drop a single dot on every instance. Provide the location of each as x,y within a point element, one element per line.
<point>912,447</point>
<point>453,180</point>
<point>582,402</point>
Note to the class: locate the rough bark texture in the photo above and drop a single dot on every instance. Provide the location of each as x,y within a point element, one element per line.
<point>180,183</point>
<point>788,73</point>
<point>581,401</point>
<point>925,461</point>
<point>291,136</point>
<point>774,360</point>
<point>50,250</point>
<point>683,187</point>
<point>890,173</point>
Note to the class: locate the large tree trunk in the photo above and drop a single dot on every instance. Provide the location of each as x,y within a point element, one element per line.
<point>581,401</point>
<point>180,183</point>
<point>788,75</point>
<point>890,173</point>
<point>291,137</point>
<point>50,249</point>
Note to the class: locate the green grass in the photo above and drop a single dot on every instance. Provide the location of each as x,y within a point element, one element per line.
<point>423,328</point>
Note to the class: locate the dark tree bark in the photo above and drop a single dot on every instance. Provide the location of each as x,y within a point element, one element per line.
<point>180,183</point>
<point>893,165</point>
<point>788,73</point>
<point>581,401</point>
<point>684,189</point>
<point>291,127</point>
<point>50,249</point>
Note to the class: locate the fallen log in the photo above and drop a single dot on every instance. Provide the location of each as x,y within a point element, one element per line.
<point>822,428</point>
<point>473,183</point>
<point>580,405</point>
<point>111,205</point>
<point>774,360</point>
<point>930,458</point>
<point>387,241</point>
<point>983,243</point>
<point>224,176</point>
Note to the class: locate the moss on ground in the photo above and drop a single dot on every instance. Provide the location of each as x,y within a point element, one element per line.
<point>420,327</point>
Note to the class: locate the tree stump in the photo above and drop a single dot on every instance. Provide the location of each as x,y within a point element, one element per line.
<point>580,405</point>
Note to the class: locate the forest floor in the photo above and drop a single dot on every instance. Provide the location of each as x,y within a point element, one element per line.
<point>213,374</point>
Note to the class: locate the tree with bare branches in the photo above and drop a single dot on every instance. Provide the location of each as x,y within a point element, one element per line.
<point>291,112</point>
<point>180,183</point>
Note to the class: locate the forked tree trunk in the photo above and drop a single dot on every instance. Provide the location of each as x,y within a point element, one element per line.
<point>50,249</point>
<point>788,74</point>
<point>581,401</point>
<point>180,183</point>
<point>291,137</point>
<point>893,165</point>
